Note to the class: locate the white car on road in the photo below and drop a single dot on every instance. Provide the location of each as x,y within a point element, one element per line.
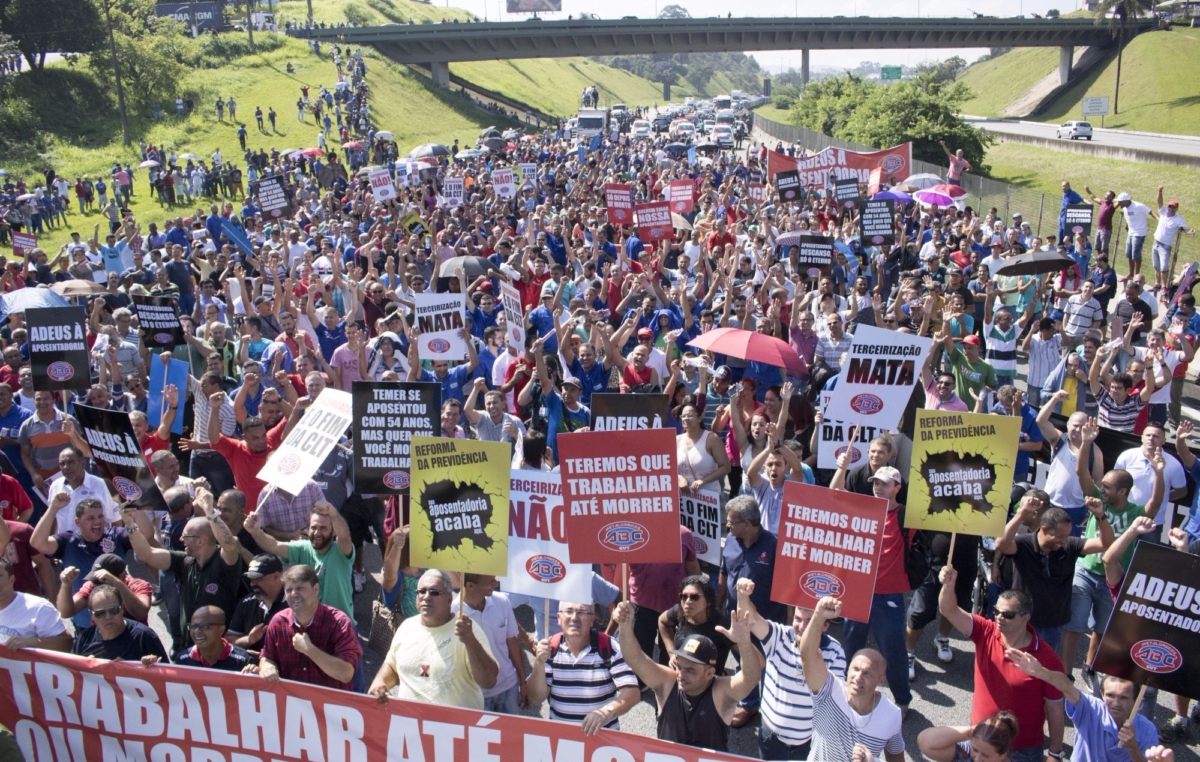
<point>1074,129</point>
<point>722,135</point>
<point>641,129</point>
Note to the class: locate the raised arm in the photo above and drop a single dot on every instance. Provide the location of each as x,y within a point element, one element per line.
<point>948,602</point>
<point>158,558</point>
<point>811,660</point>
<point>1114,572</point>
<point>654,675</point>
<point>266,542</point>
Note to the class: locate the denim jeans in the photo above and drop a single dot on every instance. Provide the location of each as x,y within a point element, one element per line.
<point>1028,754</point>
<point>212,466</point>
<point>1052,636</point>
<point>508,702</point>
<point>1091,602</point>
<point>770,747</point>
<point>887,623</point>
<point>172,596</point>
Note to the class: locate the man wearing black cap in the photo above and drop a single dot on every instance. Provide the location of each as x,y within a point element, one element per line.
<point>253,613</point>
<point>695,706</point>
<point>108,569</point>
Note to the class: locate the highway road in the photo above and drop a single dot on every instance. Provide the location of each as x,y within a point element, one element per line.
<point>1144,142</point>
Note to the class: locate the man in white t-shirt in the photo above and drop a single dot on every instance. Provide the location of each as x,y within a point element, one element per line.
<point>1137,218</point>
<point>27,621</point>
<point>1136,461</point>
<point>1165,361</point>
<point>1170,225</point>
<point>493,612</point>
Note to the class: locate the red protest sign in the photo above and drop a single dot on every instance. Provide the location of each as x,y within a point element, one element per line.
<point>654,221</point>
<point>621,508</point>
<point>679,193</point>
<point>23,243</point>
<point>875,181</point>
<point>61,706</point>
<point>829,544</point>
<point>756,192</point>
<point>619,200</point>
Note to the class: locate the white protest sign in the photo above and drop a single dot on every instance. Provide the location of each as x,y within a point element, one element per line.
<point>528,174</point>
<point>877,377</point>
<point>513,316</point>
<point>300,455</point>
<point>502,180</point>
<point>440,319</point>
<point>452,190</point>
<point>381,184</point>
<point>834,437</point>
<point>701,513</point>
<point>538,561</point>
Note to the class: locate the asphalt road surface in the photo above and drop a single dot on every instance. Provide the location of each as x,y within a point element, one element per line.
<point>1171,145</point>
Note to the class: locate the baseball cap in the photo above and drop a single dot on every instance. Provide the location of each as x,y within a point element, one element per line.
<point>722,372</point>
<point>109,562</point>
<point>1123,197</point>
<point>572,380</point>
<point>971,339</point>
<point>264,564</point>
<point>1017,215</point>
<point>699,649</point>
<point>644,333</point>
<point>1173,203</point>
<point>887,474</point>
<point>485,287</point>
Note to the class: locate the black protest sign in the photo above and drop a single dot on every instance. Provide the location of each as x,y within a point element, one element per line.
<point>1155,629</point>
<point>877,223</point>
<point>272,196</point>
<point>386,417</point>
<point>158,317</point>
<point>788,185</point>
<point>618,412</point>
<point>118,457</point>
<point>1079,220</point>
<point>847,193</point>
<point>58,351</point>
<point>816,255</point>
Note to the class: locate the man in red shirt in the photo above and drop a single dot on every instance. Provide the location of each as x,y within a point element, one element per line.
<point>999,684</point>
<point>15,504</point>
<point>721,237</point>
<point>309,642</point>
<point>248,455</point>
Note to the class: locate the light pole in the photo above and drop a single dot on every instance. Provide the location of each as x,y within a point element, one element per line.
<point>112,46</point>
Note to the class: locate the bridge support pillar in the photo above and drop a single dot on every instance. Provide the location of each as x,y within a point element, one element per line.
<point>440,71</point>
<point>803,68</point>
<point>1065,55</point>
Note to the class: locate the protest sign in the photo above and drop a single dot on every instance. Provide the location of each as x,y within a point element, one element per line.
<point>405,174</point>
<point>621,508</point>
<point>757,192</point>
<point>962,472</point>
<point>237,237</point>
<point>440,320</point>
<point>528,172</point>
<point>514,316</point>
<point>452,190</point>
<point>158,318</point>
<point>414,224</point>
<point>1187,279</point>
<point>875,181</point>
<point>272,196</point>
<point>829,544</point>
<point>118,456</point>
<point>387,415</point>
<point>833,438</point>
<point>58,351</point>
<point>538,557</point>
<point>847,193</point>
<point>1154,629</point>
<point>788,185</point>
<point>502,181</point>
<point>1079,220</point>
<point>895,163</point>
<point>816,255</point>
<point>878,376</point>
<point>300,455</point>
<point>176,374</point>
<point>65,707</point>
<point>701,512</point>
<point>623,412</point>
<point>381,184</point>
<point>654,222</point>
<point>877,223</point>
<point>23,243</point>
<point>619,201</point>
<point>679,193</point>
<point>459,505</point>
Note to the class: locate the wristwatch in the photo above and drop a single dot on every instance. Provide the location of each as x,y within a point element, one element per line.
<point>1106,516</point>
<point>1055,754</point>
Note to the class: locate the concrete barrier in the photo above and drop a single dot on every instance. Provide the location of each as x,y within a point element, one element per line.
<point>1092,148</point>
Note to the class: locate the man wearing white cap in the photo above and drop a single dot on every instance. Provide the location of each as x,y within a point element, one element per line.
<point>1137,219</point>
<point>1170,225</point>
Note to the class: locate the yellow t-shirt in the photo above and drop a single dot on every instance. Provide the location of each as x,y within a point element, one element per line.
<point>431,663</point>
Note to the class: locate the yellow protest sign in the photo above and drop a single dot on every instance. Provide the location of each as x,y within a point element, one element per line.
<point>459,504</point>
<point>962,472</point>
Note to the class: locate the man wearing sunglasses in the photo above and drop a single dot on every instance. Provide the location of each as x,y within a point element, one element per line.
<point>111,635</point>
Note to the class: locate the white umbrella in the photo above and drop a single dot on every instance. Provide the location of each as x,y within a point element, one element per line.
<point>3,173</point>
<point>924,180</point>
<point>385,135</point>
<point>148,163</point>
<point>26,196</point>
<point>191,156</point>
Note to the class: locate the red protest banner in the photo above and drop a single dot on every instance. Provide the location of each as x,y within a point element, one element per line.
<point>756,192</point>
<point>23,243</point>
<point>654,221</point>
<point>895,163</point>
<point>679,193</point>
<point>621,508</point>
<point>874,182</point>
<point>829,544</point>
<point>64,707</point>
<point>619,200</point>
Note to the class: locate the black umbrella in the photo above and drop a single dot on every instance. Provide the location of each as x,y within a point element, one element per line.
<point>499,145</point>
<point>707,147</point>
<point>472,267</point>
<point>675,149</point>
<point>1034,263</point>
<point>429,150</point>
<point>512,134</point>
<point>490,132</point>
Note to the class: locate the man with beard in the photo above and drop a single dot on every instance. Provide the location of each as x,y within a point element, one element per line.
<point>254,612</point>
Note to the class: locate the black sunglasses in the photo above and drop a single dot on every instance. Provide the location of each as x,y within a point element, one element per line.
<point>1006,614</point>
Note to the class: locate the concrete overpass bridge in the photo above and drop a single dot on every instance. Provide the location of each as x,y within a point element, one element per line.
<point>437,45</point>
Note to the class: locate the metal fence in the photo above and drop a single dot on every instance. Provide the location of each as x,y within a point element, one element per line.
<point>1039,209</point>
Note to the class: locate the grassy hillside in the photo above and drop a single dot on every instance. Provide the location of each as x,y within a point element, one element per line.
<point>1156,95</point>
<point>1000,81</point>
<point>367,12</point>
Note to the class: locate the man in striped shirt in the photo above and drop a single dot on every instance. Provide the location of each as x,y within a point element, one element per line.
<point>1045,347</point>
<point>1001,337</point>
<point>1118,409</point>
<point>582,672</point>
<point>787,707</point>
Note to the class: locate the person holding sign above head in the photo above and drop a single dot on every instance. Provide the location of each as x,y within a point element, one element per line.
<point>452,380</point>
<point>695,706</point>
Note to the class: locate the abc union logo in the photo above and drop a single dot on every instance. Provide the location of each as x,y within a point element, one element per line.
<point>395,479</point>
<point>821,583</point>
<point>288,464</point>
<point>866,404</point>
<point>891,163</point>
<point>547,569</point>
<point>439,346</point>
<point>163,338</point>
<point>126,488</point>
<point>1156,656</point>
<point>699,545</point>
<point>60,370</point>
<point>624,536</point>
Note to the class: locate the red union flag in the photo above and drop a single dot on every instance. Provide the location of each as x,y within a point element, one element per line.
<point>619,200</point>
<point>894,163</point>
<point>64,707</point>
<point>654,221</point>
<point>621,508</point>
<point>679,193</point>
<point>829,544</point>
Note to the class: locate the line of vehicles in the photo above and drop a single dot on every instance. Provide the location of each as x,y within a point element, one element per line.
<point>722,120</point>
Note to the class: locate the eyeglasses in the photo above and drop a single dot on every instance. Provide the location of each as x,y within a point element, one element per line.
<point>106,613</point>
<point>576,613</point>
<point>1006,614</point>
<point>690,596</point>
<point>735,523</point>
<point>201,626</point>
<point>430,592</point>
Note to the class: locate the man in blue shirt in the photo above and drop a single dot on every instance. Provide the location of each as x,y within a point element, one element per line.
<point>452,380</point>
<point>749,553</point>
<point>11,418</point>
<point>542,320</point>
<point>1068,197</point>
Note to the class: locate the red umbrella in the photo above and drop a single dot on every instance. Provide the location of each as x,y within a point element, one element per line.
<point>352,144</point>
<point>953,191</point>
<point>312,151</point>
<point>750,345</point>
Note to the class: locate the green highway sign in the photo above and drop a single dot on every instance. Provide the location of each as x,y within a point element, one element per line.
<point>889,72</point>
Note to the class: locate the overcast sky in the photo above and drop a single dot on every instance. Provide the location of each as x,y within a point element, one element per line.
<point>772,60</point>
